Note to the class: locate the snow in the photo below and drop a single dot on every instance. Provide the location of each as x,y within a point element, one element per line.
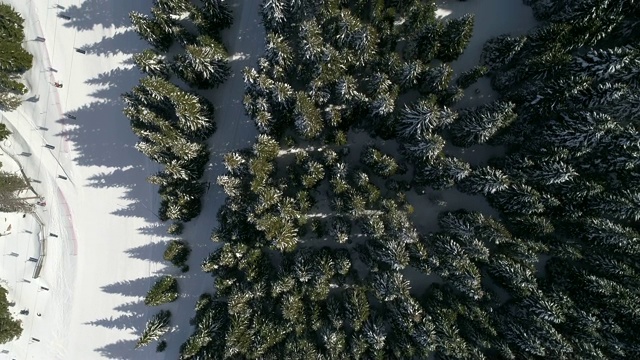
<point>491,18</point>
<point>109,246</point>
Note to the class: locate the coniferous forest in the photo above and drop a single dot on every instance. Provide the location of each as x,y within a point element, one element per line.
<point>323,252</point>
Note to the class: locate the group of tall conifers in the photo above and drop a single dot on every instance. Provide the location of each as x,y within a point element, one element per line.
<point>317,236</point>
<point>173,121</point>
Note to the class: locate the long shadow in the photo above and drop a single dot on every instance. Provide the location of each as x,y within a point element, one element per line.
<point>102,12</point>
<point>122,42</point>
<point>152,252</point>
<point>123,349</point>
<point>130,287</point>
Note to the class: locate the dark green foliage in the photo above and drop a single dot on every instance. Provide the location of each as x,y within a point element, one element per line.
<point>204,64</point>
<point>11,185</point>
<point>4,132</point>
<point>177,252</point>
<point>10,328</point>
<point>14,59</point>
<point>551,274</point>
<point>478,126</point>
<point>152,30</point>
<point>454,38</point>
<point>162,346</point>
<point>470,76</point>
<point>164,290</point>
<point>380,163</point>
<point>157,326</point>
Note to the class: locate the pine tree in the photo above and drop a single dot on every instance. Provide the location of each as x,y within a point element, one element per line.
<point>499,51</point>
<point>472,75</point>
<point>422,118</point>
<point>11,185</point>
<point>9,101</point>
<point>203,65</point>
<point>308,119</point>
<point>216,15</point>
<point>152,31</point>
<point>164,290</point>
<point>151,63</point>
<point>381,163</point>
<point>274,13</point>
<point>455,37</point>
<point>485,180</point>
<point>157,326</point>
<point>480,125</point>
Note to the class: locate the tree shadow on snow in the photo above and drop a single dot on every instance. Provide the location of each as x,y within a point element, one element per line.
<point>123,349</point>
<point>122,42</point>
<point>102,12</point>
<point>137,287</point>
<point>152,252</point>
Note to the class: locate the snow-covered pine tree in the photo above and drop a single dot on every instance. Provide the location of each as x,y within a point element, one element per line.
<point>479,125</point>
<point>454,37</point>
<point>151,31</point>
<point>500,50</point>
<point>308,119</point>
<point>472,75</point>
<point>215,16</point>
<point>203,65</point>
<point>274,14</point>
<point>152,63</point>
<point>485,180</point>
<point>163,291</point>
<point>157,326</point>
<point>422,118</point>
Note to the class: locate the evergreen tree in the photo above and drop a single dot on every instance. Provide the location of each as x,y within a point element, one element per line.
<point>164,290</point>
<point>203,65</point>
<point>455,36</point>
<point>151,30</point>
<point>308,120</point>
<point>151,63</point>
<point>479,125</point>
<point>157,326</point>
<point>10,328</point>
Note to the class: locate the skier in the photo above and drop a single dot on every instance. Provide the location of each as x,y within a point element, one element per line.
<point>58,85</point>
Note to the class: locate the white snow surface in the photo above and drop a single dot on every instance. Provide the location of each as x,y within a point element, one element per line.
<point>109,246</point>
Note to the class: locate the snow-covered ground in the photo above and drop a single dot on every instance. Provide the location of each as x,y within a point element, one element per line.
<point>109,245</point>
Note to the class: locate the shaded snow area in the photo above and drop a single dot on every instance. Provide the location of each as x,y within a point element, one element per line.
<point>108,244</point>
<point>491,18</point>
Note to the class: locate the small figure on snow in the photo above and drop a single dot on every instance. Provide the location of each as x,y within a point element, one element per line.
<point>57,84</point>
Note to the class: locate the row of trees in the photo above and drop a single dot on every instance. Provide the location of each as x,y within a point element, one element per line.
<point>174,124</point>
<point>14,59</point>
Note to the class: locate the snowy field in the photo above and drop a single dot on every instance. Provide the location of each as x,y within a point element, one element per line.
<point>109,244</point>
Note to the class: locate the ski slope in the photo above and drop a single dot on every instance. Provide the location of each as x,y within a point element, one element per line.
<point>109,246</point>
